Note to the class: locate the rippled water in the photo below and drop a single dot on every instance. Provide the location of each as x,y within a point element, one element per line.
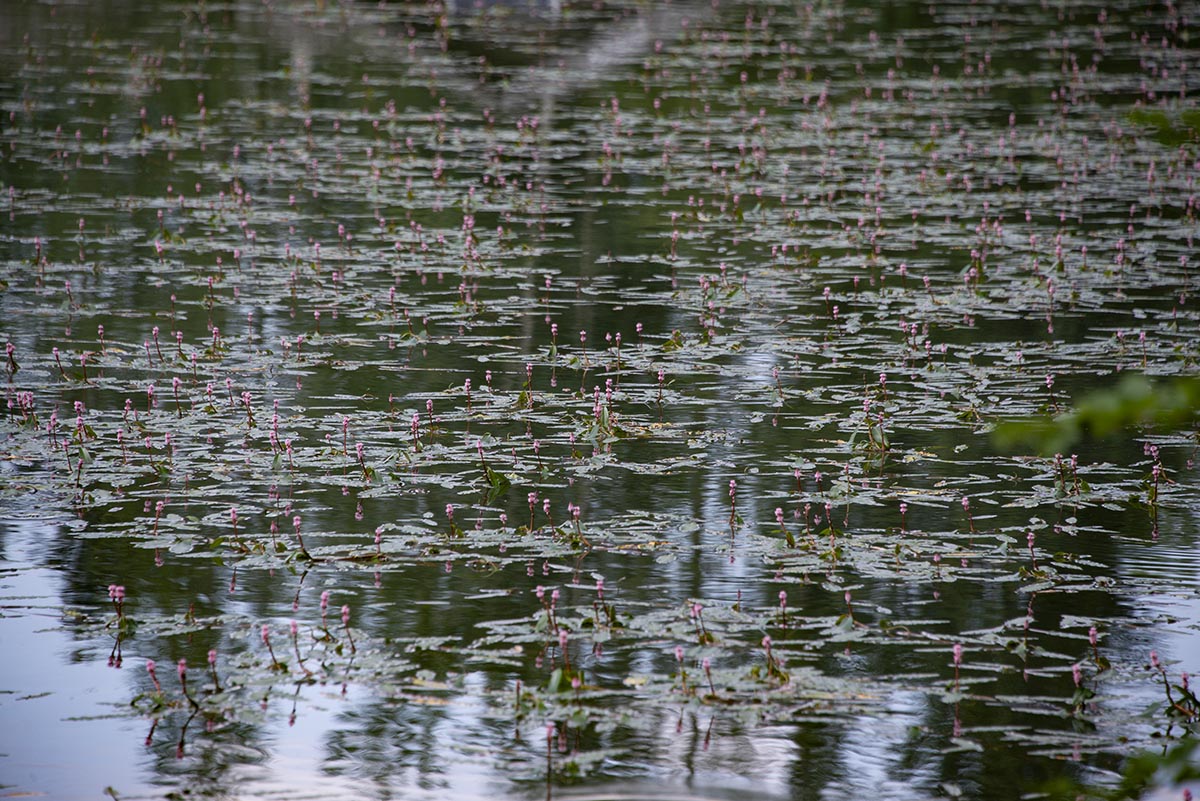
<point>811,254</point>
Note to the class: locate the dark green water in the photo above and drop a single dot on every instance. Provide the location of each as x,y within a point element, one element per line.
<point>304,227</point>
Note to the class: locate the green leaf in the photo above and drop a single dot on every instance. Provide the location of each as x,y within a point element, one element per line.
<point>1135,401</point>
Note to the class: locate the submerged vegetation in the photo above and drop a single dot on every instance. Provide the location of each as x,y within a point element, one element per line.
<point>414,400</point>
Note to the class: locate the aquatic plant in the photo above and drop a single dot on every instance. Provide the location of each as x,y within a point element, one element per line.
<point>810,267</point>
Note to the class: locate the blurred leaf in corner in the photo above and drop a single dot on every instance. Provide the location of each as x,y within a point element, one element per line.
<point>1168,405</point>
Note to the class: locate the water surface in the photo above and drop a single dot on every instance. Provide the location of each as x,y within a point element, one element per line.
<point>699,262</point>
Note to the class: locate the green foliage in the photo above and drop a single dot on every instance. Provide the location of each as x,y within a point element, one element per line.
<point>498,484</point>
<point>1135,401</point>
<point>560,680</point>
<point>1166,130</point>
<point>1172,768</point>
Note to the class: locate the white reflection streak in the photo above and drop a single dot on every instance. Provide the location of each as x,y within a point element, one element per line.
<point>873,749</point>
<point>754,760</point>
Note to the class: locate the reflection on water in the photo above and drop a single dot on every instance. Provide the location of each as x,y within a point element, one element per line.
<point>697,262</point>
<point>57,691</point>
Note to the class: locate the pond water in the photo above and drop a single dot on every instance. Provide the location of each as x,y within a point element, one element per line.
<point>591,400</point>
